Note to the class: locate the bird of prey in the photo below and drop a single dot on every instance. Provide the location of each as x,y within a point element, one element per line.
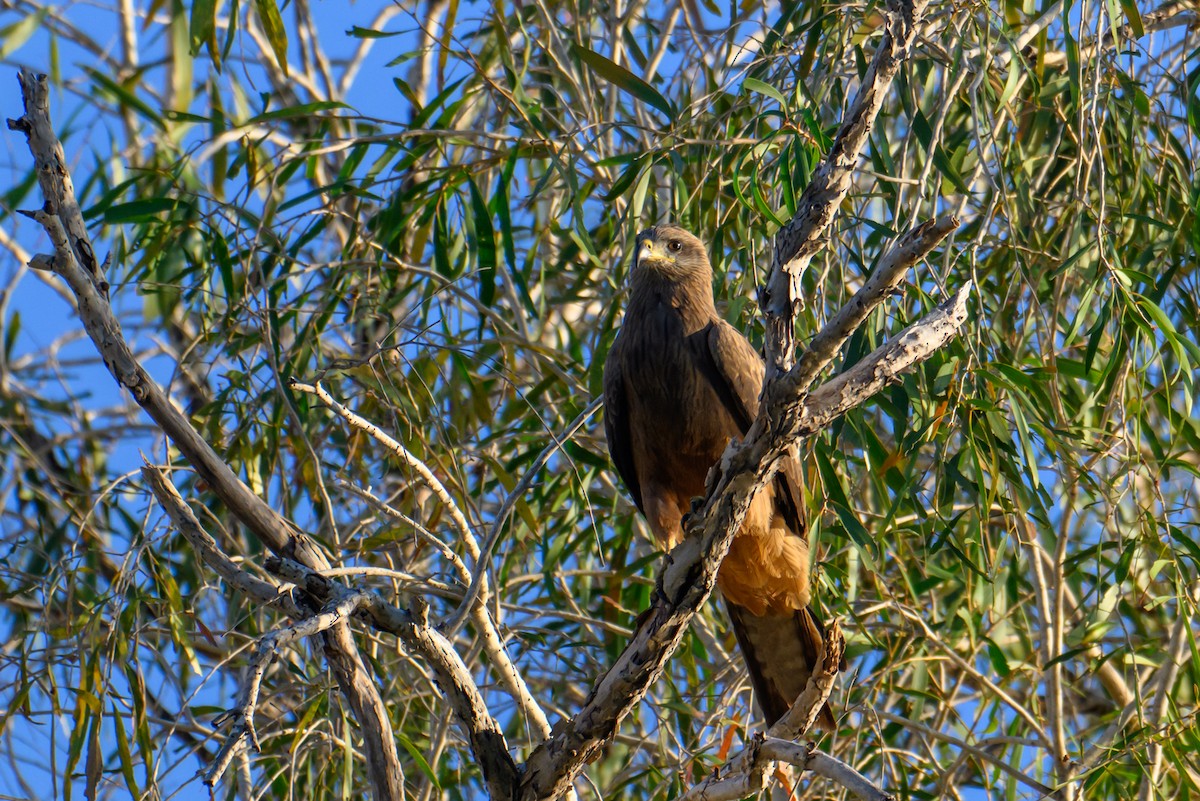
<point>679,383</point>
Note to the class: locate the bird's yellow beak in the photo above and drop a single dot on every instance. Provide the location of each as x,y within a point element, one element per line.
<point>649,250</point>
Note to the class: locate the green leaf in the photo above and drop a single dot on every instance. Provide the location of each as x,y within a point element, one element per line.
<point>142,210</point>
<point>268,15</point>
<point>127,98</point>
<point>11,330</point>
<point>370,33</point>
<point>419,759</point>
<point>302,110</point>
<point>124,753</point>
<point>203,26</point>
<point>755,85</point>
<point>624,79</point>
<point>13,37</point>
<point>485,244</point>
<point>1134,18</point>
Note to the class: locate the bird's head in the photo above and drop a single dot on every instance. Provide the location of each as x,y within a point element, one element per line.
<point>672,253</point>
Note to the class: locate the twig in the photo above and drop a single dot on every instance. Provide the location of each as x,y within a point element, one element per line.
<point>74,261</point>
<point>981,754</point>
<point>400,452</point>
<point>531,474</point>
<point>802,237</point>
<point>242,715</point>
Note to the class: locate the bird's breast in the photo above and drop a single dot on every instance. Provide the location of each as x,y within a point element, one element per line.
<point>670,392</point>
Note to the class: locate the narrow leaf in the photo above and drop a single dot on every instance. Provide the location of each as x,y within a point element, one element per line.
<point>268,15</point>
<point>624,79</point>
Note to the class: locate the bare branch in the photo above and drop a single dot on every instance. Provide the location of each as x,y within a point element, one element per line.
<point>404,454</point>
<point>51,165</point>
<point>527,480</point>
<point>74,261</point>
<point>885,364</point>
<point>808,758</point>
<point>804,235</point>
<point>747,772</point>
<point>808,705</point>
<point>483,731</point>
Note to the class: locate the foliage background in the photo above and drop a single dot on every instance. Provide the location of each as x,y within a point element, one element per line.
<point>429,206</point>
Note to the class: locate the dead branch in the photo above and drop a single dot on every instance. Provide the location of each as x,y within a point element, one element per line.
<point>749,771</point>
<point>483,732</point>
<point>883,281</point>
<point>74,261</point>
<point>807,706</point>
<point>804,235</point>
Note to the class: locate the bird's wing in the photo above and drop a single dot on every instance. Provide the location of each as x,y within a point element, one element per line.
<point>782,646</point>
<point>737,371</point>
<point>616,421</point>
<point>740,372</point>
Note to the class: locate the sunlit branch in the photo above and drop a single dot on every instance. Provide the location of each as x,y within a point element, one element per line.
<point>74,261</point>
<point>804,235</point>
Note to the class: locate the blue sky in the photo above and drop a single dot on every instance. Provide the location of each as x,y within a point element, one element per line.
<point>46,318</point>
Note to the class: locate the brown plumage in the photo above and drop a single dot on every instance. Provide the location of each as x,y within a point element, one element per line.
<point>679,383</point>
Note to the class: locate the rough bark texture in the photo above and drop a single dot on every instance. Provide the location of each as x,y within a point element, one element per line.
<point>74,261</point>
<point>804,235</point>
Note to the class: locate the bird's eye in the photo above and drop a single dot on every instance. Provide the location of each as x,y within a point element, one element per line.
<point>674,246</point>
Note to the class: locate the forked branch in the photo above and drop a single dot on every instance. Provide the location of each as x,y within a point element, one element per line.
<point>75,263</point>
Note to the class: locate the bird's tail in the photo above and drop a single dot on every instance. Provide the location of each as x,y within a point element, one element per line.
<point>781,652</point>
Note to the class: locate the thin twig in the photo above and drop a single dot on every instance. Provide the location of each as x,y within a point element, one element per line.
<point>242,714</point>
<point>74,261</point>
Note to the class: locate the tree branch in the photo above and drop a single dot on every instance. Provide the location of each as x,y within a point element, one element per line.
<point>750,768</point>
<point>50,162</point>
<point>74,261</point>
<point>804,235</point>
<point>747,772</point>
<point>483,732</point>
<point>883,281</point>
